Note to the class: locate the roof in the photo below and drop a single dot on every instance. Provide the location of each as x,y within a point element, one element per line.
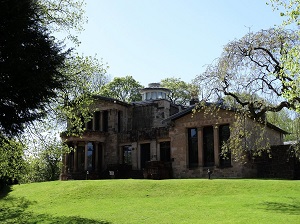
<point>111,100</point>
<point>224,107</point>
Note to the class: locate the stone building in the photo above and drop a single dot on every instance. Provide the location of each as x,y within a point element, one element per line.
<point>124,137</point>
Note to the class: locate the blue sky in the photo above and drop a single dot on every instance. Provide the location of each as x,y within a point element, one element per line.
<point>156,39</point>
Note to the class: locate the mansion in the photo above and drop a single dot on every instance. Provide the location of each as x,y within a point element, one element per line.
<point>155,138</point>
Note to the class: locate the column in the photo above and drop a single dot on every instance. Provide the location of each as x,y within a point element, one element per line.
<point>120,155</point>
<point>158,151</point>
<point>75,157</point>
<point>66,162</point>
<point>94,122</point>
<point>134,155</point>
<point>153,150</point>
<point>138,157</point>
<point>86,156</point>
<point>200,147</point>
<point>64,169</point>
<point>216,145</point>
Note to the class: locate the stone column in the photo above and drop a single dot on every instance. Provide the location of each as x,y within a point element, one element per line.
<point>216,145</point>
<point>138,156</point>
<point>94,122</point>
<point>64,168</point>
<point>86,156</point>
<point>153,150</point>
<point>134,155</point>
<point>158,151</point>
<point>75,157</point>
<point>200,147</point>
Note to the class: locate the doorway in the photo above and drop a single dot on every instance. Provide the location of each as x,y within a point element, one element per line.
<point>145,154</point>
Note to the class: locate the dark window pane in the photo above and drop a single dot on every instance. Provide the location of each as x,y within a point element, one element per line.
<point>193,147</point>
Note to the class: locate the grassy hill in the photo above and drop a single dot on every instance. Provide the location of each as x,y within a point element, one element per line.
<point>150,201</point>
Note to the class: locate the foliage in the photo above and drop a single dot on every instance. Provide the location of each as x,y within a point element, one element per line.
<point>290,9</point>
<point>12,164</point>
<point>286,120</point>
<point>125,89</point>
<point>45,164</point>
<point>64,17</point>
<point>180,91</point>
<point>254,65</point>
<point>87,76</point>
<point>248,137</point>
<point>149,201</point>
<point>82,76</point>
<point>30,63</point>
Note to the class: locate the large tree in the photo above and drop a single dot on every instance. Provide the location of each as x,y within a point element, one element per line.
<point>122,88</point>
<point>255,65</point>
<point>30,65</point>
<point>66,17</point>
<point>12,163</point>
<point>180,91</point>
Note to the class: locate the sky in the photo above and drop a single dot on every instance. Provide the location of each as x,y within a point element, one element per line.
<point>156,39</point>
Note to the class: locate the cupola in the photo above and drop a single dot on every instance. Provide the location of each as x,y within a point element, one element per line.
<point>154,92</point>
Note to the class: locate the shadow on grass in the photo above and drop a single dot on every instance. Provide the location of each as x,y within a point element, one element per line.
<point>292,208</point>
<point>13,210</point>
<point>4,191</point>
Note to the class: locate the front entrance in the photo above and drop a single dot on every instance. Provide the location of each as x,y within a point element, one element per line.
<point>145,154</point>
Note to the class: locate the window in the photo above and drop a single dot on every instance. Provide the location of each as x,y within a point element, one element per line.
<point>192,147</point>
<point>224,134</point>
<point>90,156</point>
<point>144,154</point>
<point>119,121</point>
<point>208,146</point>
<point>105,120</point>
<point>90,125</point>
<point>159,95</point>
<point>148,96</point>
<point>153,95</point>
<point>127,159</point>
<point>165,153</point>
<point>97,120</point>
<point>80,157</point>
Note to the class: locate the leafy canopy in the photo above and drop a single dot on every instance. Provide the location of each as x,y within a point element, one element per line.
<point>256,65</point>
<point>30,65</point>
<point>180,91</point>
<point>126,89</point>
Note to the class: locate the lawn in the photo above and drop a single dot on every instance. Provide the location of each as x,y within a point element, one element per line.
<point>153,201</point>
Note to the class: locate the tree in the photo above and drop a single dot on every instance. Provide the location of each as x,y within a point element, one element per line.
<point>253,65</point>
<point>12,163</point>
<point>45,164</point>
<point>122,88</point>
<point>65,17</point>
<point>86,77</point>
<point>180,91</point>
<point>290,10</point>
<point>30,63</point>
<point>286,120</point>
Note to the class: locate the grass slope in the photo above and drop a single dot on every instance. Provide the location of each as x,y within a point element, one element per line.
<point>150,201</point>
